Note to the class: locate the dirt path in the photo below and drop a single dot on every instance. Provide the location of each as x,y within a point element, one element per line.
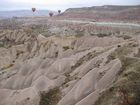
<point>123,25</point>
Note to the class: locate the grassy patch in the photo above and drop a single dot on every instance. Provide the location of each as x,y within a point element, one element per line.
<point>50,98</point>
<point>88,57</point>
<point>125,37</point>
<point>7,67</point>
<point>1,45</point>
<point>79,33</point>
<point>120,52</point>
<point>66,48</point>
<point>126,89</point>
<point>103,34</point>
<point>84,59</point>
<point>68,79</point>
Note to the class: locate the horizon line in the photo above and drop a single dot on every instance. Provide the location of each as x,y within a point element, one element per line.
<point>45,9</point>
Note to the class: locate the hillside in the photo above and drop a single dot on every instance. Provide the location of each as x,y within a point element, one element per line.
<point>104,13</point>
<point>57,62</point>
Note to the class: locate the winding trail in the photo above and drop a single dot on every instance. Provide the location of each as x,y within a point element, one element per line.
<point>112,24</point>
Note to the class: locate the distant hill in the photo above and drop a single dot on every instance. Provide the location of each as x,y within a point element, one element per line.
<point>105,13</point>
<point>103,8</point>
<point>23,13</point>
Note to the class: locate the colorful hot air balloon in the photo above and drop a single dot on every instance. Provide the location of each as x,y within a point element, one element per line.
<point>33,9</point>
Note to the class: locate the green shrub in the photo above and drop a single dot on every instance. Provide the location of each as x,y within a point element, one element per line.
<point>50,98</point>
<point>66,48</point>
<point>1,45</point>
<point>103,34</point>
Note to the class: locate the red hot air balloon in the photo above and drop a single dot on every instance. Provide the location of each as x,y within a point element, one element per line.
<point>33,9</point>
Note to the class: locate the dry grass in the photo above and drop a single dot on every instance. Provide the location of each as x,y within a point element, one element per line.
<point>50,98</point>
<point>8,66</point>
<point>120,52</point>
<point>126,89</point>
<point>66,48</point>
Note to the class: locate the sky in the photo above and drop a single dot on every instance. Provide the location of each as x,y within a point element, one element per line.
<point>59,4</point>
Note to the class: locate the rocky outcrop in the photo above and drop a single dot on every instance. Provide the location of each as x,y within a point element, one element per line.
<point>79,69</point>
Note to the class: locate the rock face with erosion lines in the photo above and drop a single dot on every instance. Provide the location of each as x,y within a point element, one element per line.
<point>41,67</point>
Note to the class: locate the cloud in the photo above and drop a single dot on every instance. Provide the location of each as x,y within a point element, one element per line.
<point>60,4</point>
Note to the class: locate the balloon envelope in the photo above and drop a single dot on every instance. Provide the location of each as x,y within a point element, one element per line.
<point>59,11</point>
<point>51,14</point>
<point>33,9</point>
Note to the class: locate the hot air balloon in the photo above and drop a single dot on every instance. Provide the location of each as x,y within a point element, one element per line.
<point>59,11</point>
<point>33,9</point>
<point>51,14</point>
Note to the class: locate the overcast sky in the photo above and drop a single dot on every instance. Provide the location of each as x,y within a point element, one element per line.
<point>59,4</point>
